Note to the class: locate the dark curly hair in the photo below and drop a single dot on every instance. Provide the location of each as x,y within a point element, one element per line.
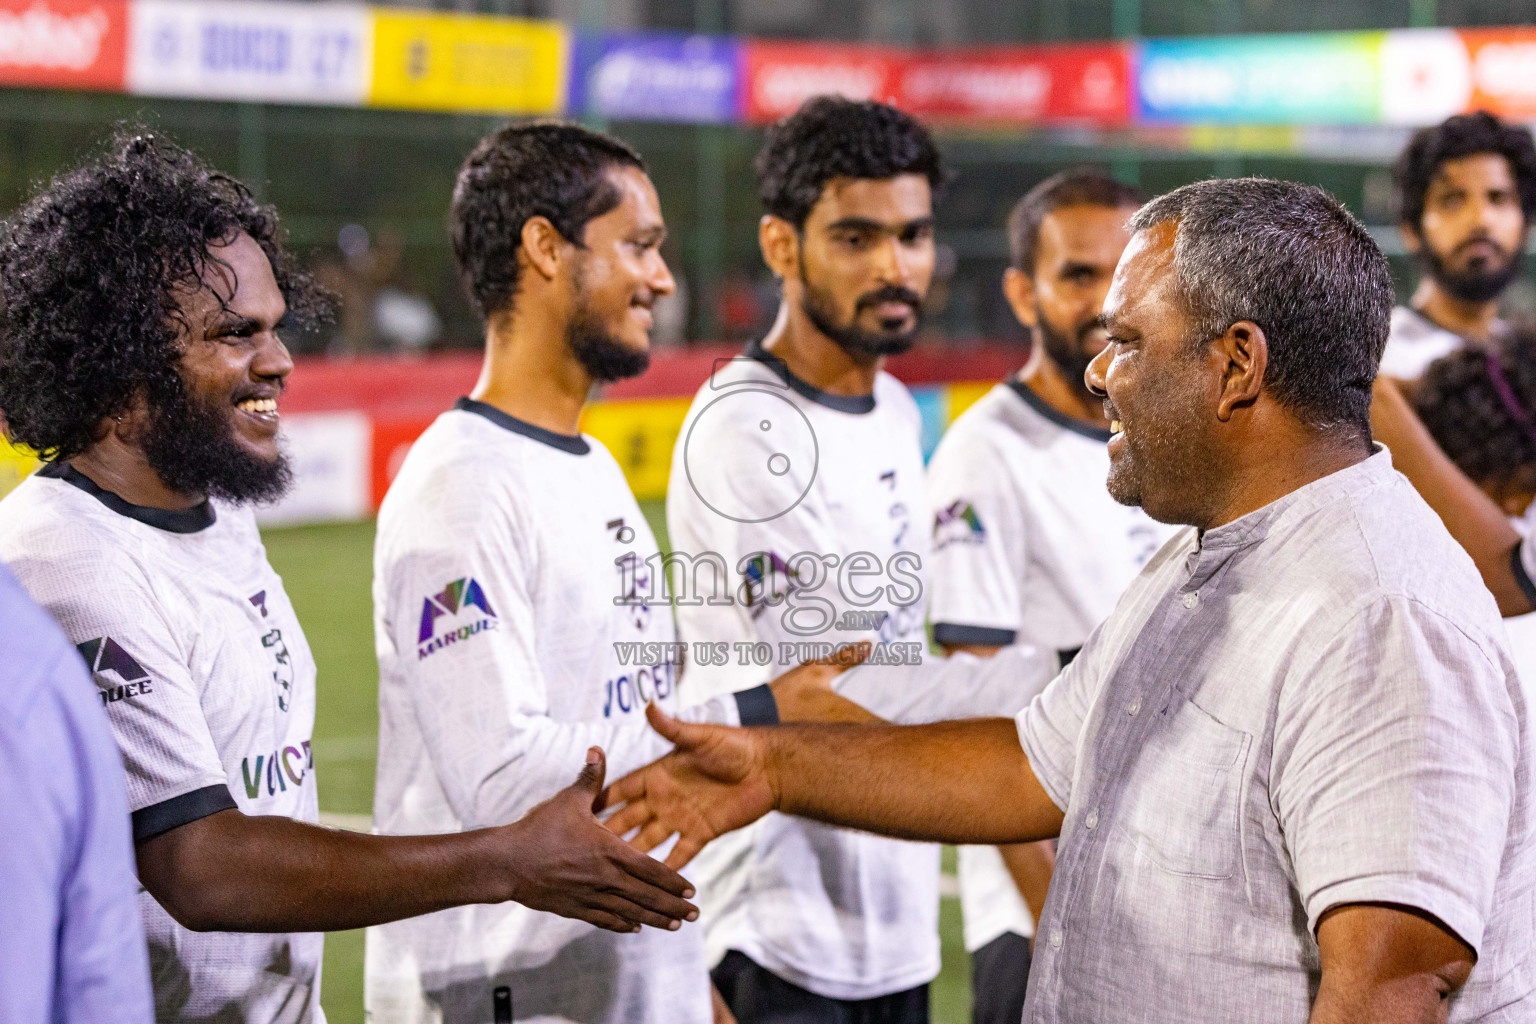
<point>1481,409</point>
<point>1452,139</point>
<point>88,272</point>
<point>831,137</point>
<point>542,169</point>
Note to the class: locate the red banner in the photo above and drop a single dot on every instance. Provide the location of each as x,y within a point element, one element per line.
<point>1503,70</point>
<point>77,44</point>
<point>778,77</point>
<point>1063,83</point>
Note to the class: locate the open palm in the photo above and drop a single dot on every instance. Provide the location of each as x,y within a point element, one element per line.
<point>715,781</point>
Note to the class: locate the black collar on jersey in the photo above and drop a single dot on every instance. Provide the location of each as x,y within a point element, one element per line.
<point>171,520</point>
<point>856,404</point>
<point>1061,419</point>
<point>575,444</point>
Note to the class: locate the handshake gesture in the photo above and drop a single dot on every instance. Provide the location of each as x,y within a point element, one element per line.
<point>716,780</point>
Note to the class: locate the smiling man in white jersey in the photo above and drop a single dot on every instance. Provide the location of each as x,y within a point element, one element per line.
<point>798,477</point>
<point>139,354</point>
<point>1028,544</point>
<point>517,618</point>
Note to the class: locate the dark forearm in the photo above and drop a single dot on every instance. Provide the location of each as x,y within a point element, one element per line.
<point>230,872</point>
<point>1474,519</point>
<point>958,782</point>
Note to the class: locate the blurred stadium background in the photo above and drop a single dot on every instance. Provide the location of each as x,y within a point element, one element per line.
<point>353,120</point>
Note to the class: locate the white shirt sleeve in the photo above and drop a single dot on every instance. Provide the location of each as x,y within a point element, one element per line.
<point>1410,804</point>
<point>110,609</point>
<point>944,689</point>
<point>979,541</point>
<point>481,702</point>
<point>1051,726</point>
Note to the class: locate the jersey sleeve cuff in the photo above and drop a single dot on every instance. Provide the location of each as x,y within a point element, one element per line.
<point>757,706</point>
<point>972,636</point>
<point>157,819</point>
<point>1522,577</point>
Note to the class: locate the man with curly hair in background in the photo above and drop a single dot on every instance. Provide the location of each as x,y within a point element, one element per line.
<point>140,357</point>
<point>1466,193</point>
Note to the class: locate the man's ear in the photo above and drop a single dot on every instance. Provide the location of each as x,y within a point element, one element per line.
<point>543,247</point>
<point>1019,290</point>
<point>780,243</point>
<point>1411,240</point>
<point>1244,351</point>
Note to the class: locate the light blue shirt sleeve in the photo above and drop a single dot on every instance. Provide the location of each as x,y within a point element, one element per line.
<point>72,948</point>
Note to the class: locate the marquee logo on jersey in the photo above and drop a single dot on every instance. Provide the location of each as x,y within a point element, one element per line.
<point>767,581</point>
<point>115,671</point>
<point>957,523</point>
<point>454,605</point>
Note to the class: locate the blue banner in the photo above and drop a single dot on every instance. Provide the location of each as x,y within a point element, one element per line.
<point>656,77</point>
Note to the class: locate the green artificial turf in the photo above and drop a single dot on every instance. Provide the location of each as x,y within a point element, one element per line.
<point>327,572</point>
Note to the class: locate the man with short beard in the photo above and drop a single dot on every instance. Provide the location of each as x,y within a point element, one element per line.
<point>1291,771</point>
<point>140,357</point>
<point>1466,194</point>
<point>797,511</point>
<point>520,607</point>
<point>1028,545</point>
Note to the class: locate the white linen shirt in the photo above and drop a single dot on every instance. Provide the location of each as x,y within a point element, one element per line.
<point>1307,707</point>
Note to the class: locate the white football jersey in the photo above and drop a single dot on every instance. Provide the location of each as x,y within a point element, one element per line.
<point>521,616</point>
<point>1028,547</point>
<point>210,688</point>
<point>813,507</point>
<point>1413,342</point>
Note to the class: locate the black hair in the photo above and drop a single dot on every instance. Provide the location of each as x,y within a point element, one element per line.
<point>545,169</point>
<point>831,137</point>
<point>1082,186</point>
<point>1480,407</point>
<point>89,271</point>
<point>1454,138</point>
<point>1293,260</point>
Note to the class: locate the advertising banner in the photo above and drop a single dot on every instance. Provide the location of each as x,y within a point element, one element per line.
<point>69,44</point>
<point>331,458</point>
<point>656,77</point>
<point>1426,76</point>
<point>280,52</point>
<point>1063,83</point>
<point>466,62</point>
<point>778,77</point>
<point>1329,78</point>
<point>1503,62</point>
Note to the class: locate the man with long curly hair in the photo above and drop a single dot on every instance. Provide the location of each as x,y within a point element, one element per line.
<point>140,357</point>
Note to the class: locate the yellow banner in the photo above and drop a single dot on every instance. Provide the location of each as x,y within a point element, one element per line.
<point>641,434</point>
<point>16,464</point>
<point>465,62</point>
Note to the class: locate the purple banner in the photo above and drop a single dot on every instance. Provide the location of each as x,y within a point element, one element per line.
<point>656,77</point>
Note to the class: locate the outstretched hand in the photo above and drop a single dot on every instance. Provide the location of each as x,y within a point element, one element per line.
<point>562,860</point>
<point>716,780</point>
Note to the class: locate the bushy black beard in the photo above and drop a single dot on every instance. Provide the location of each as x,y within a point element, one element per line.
<point>1065,351</point>
<point>818,310</point>
<point>191,447</point>
<point>1483,284</point>
<point>602,355</point>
